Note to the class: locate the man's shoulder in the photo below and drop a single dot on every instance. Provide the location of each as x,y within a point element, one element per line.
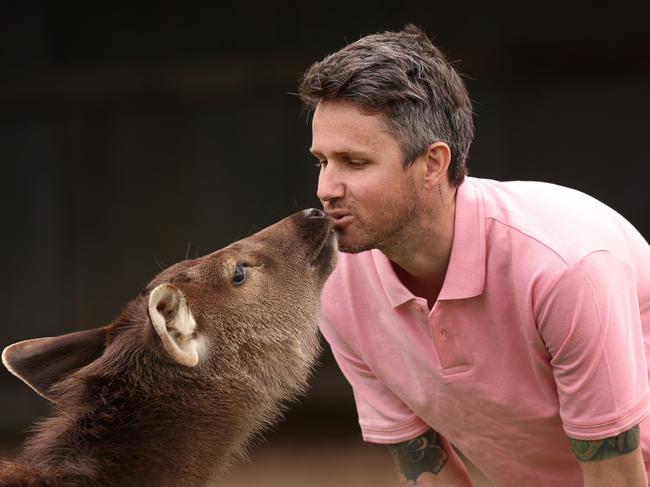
<point>519,197</point>
<point>553,218</point>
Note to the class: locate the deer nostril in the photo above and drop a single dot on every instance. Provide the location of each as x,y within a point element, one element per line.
<point>314,213</point>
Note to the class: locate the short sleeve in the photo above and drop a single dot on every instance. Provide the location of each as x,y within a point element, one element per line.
<point>591,324</point>
<point>383,417</point>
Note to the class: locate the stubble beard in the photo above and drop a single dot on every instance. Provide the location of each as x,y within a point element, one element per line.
<point>387,234</point>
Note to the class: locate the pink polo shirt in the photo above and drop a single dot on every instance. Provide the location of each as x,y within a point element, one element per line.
<point>538,333</point>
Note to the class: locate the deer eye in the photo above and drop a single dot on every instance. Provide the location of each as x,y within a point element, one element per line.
<point>239,277</point>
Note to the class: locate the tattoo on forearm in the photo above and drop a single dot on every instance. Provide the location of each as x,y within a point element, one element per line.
<point>422,454</point>
<point>593,451</point>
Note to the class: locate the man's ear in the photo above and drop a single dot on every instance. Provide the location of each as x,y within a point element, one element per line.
<point>173,321</point>
<point>436,159</point>
<point>42,362</point>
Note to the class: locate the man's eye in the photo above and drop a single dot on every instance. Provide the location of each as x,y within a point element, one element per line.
<point>321,164</point>
<point>239,277</point>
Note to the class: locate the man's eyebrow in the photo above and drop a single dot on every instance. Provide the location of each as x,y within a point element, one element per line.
<point>341,153</point>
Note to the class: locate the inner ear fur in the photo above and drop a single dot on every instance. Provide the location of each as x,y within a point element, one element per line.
<point>43,362</point>
<point>174,324</point>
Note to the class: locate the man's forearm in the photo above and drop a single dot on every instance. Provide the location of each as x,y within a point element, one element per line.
<point>624,471</point>
<point>612,462</point>
<point>429,460</point>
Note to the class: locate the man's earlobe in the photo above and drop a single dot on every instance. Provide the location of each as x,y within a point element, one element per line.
<point>174,324</point>
<point>42,362</point>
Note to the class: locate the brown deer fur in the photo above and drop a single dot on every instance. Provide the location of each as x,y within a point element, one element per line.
<point>172,390</point>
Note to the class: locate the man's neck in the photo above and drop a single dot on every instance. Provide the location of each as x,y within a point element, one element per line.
<point>421,257</point>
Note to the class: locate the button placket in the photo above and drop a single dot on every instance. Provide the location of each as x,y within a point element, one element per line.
<point>446,343</point>
<point>420,310</point>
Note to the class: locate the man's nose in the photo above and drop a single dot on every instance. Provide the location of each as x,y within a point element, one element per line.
<point>330,185</point>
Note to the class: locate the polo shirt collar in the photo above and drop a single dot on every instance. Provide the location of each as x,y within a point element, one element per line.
<point>465,276</point>
<point>396,292</point>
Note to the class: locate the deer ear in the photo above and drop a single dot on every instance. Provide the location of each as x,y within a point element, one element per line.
<point>42,362</point>
<point>173,321</point>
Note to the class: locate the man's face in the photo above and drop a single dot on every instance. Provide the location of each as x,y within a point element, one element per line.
<point>362,183</point>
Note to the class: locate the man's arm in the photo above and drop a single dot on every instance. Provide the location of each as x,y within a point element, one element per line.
<point>428,461</point>
<point>613,462</point>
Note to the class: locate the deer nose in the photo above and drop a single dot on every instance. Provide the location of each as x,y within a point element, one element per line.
<point>314,213</point>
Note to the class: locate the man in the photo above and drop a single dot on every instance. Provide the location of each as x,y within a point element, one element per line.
<point>505,319</point>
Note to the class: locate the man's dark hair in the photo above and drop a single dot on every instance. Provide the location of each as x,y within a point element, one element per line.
<point>404,77</point>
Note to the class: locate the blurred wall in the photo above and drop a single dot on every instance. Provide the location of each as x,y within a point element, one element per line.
<point>133,136</point>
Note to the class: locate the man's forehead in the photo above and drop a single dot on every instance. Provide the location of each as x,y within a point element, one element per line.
<point>350,145</point>
<point>342,129</point>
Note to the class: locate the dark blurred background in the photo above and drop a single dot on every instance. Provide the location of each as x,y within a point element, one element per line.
<point>133,136</point>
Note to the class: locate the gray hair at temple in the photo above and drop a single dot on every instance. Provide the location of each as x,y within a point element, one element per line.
<point>405,78</point>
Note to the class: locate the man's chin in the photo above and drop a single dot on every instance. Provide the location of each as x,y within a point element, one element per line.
<point>352,250</point>
<point>351,246</point>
